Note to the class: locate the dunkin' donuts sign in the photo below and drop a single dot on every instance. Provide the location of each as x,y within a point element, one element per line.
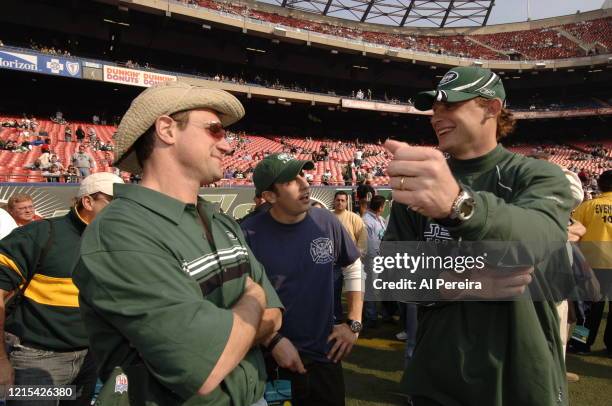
<point>125,76</point>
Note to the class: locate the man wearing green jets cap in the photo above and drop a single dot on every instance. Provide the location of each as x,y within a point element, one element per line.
<point>470,351</point>
<point>461,84</point>
<point>299,246</point>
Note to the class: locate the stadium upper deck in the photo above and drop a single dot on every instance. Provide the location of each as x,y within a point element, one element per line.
<point>560,40</point>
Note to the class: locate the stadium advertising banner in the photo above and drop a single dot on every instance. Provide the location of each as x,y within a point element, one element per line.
<point>52,65</point>
<point>132,77</point>
<point>522,115</point>
<point>93,73</point>
<point>88,64</point>
<point>18,61</point>
<point>377,106</point>
<point>52,201</point>
<point>49,65</point>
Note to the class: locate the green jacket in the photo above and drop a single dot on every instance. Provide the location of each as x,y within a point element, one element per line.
<point>156,297</point>
<point>48,316</point>
<point>494,353</point>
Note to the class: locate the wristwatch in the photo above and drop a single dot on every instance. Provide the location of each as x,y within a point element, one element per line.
<point>354,325</point>
<point>462,209</point>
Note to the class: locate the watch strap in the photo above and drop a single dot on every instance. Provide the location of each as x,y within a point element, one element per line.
<point>274,341</point>
<point>452,219</point>
<point>350,323</point>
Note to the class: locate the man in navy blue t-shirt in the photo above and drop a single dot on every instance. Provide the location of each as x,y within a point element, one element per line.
<point>298,246</point>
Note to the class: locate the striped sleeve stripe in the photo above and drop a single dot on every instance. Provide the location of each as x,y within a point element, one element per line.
<point>242,253</point>
<point>212,256</point>
<point>9,263</point>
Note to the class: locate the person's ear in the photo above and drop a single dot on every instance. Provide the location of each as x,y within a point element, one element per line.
<point>269,196</point>
<point>165,129</point>
<point>494,108</point>
<point>87,202</point>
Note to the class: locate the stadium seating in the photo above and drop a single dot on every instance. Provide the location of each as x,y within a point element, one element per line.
<point>249,149</point>
<point>535,44</point>
<point>592,32</point>
<point>12,163</point>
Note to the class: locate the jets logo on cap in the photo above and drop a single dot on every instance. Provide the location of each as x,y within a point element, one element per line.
<point>488,92</point>
<point>449,77</point>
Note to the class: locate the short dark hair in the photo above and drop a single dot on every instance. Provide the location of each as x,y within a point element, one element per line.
<point>605,181</point>
<point>143,147</point>
<point>377,202</point>
<point>272,188</point>
<point>341,192</point>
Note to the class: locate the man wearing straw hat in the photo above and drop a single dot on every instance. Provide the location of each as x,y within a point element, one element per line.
<point>170,292</point>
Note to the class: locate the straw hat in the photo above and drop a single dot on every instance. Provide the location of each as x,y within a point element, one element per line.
<point>164,99</point>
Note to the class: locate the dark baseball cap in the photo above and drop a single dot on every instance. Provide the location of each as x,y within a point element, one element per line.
<point>278,168</point>
<point>463,83</point>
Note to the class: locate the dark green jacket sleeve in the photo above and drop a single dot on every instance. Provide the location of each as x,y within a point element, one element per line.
<point>538,211</point>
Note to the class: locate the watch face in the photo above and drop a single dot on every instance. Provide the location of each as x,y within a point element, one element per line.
<point>466,209</point>
<point>355,326</point>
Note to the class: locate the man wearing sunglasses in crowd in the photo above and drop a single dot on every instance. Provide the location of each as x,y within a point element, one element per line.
<point>47,342</point>
<point>169,289</point>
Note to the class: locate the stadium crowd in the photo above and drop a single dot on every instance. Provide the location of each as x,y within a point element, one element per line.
<point>148,294</point>
<point>337,162</point>
<point>547,43</point>
<point>80,296</point>
<point>564,41</point>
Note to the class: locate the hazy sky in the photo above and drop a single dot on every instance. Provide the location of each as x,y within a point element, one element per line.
<point>504,10</point>
<point>516,10</point>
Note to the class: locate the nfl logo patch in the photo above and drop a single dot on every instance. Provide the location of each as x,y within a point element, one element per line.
<point>121,383</point>
<point>72,68</point>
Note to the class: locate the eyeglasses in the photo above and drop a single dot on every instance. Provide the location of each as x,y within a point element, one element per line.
<point>215,128</point>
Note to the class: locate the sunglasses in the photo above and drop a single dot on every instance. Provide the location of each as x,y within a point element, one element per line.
<point>215,127</point>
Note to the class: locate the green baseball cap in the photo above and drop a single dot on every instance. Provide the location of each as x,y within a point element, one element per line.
<point>463,83</point>
<point>278,168</point>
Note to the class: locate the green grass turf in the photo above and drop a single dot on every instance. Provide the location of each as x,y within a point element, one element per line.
<point>372,375</point>
<point>595,371</point>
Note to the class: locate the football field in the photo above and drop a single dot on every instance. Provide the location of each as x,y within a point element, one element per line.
<point>374,369</point>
